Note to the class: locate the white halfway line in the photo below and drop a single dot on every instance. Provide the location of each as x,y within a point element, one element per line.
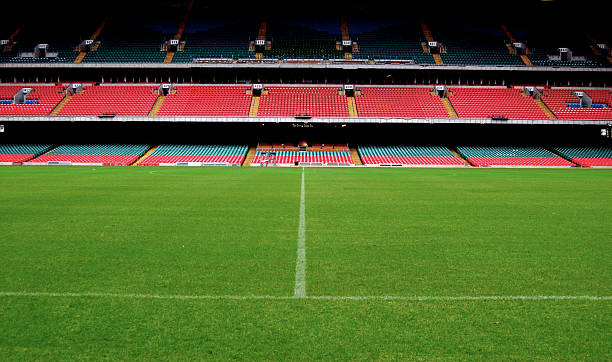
<point>300,265</point>
<point>415,298</point>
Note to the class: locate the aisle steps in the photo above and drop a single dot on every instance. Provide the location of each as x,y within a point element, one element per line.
<point>157,105</point>
<point>355,156</point>
<point>449,108</point>
<point>146,154</point>
<point>250,156</point>
<point>544,108</point>
<point>93,37</point>
<point>60,105</point>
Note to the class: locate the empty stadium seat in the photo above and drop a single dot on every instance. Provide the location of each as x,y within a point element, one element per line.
<point>557,100</point>
<point>106,154</point>
<point>408,156</point>
<point>120,100</point>
<point>587,156</point>
<point>43,99</point>
<point>516,156</point>
<point>321,157</point>
<point>207,101</point>
<point>168,153</point>
<point>487,102</point>
<point>17,153</point>
<point>291,101</point>
<point>399,102</point>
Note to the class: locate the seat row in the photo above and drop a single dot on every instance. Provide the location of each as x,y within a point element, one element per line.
<point>370,155</point>
<point>313,101</point>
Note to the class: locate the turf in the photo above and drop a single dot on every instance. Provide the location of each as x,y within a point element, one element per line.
<point>369,232</point>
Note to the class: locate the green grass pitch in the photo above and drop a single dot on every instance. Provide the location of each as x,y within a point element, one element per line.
<point>200,263</point>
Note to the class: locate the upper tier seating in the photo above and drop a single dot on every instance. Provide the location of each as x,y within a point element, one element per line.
<point>120,100</point>
<point>300,42</point>
<point>166,153</point>
<point>291,157</point>
<point>487,156</point>
<point>207,101</point>
<point>408,156</point>
<point>494,102</point>
<point>128,43</point>
<point>399,102</point>
<point>53,33</point>
<point>388,42</point>
<point>41,100</point>
<point>21,152</point>
<point>483,44</point>
<point>545,37</point>
<point>558,99</point>
<point>226,41</point>
<point>588,156</point>
<point>106,154</point>
<point>310,101</point>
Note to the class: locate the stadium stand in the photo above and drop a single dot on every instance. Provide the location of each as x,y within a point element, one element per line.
<point>128,42</point>
<point>298,40</point>
<point>312,101</point>
<point>40,102</point>
<point>104,154</point>
<point>546,36</point>
<point>473,44</point>
<point>490,156</point>
<point>17,153</point>
<point>565,105</point>
<point>290,158</point>
<point>120,100</point>
<point>587,156</point>
<point>216,38</point>
<point>206,154</point>
<point>61,45</point>
<point>488,102</point>
<point>429,156</point>
<point>384,39</point>
<point>207,101</point>
<point>392,102</point>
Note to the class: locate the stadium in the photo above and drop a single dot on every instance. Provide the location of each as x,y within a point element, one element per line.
<point>194,180</point>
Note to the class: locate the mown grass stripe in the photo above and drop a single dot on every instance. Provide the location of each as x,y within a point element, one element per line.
<point>415,298</point>
<point>300,265</point>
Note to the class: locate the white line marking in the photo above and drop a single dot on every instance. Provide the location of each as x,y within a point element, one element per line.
<point>300,265</point>
<point>321,297</point>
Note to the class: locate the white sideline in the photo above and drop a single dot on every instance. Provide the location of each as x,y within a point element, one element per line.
<point>300,265</point>
<point>321,297</point>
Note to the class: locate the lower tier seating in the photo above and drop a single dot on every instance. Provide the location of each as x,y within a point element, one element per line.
<point>408,156</point>
<point>106,154</point>
<point>587,156</point>
<point>291,157</point>
<point>166,153</point>
<point>17,153</point>
<point>486,156</point>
